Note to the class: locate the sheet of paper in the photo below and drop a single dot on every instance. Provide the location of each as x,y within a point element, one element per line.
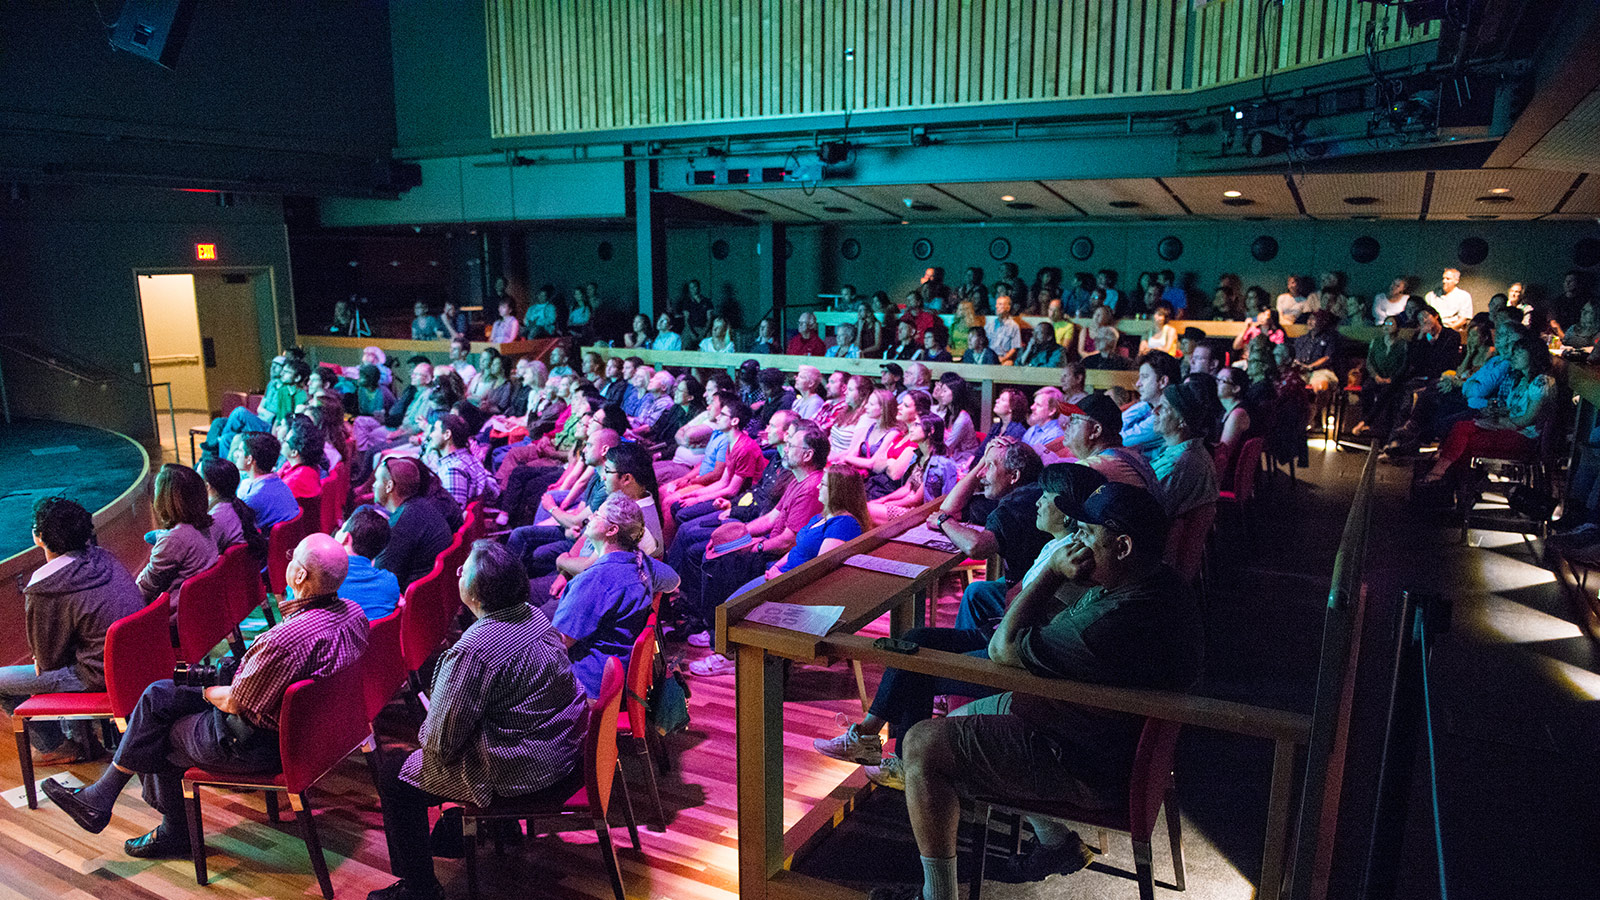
<point>887,566</point>
<point>18,797</point>
<point>796,617</point>
<point>923,536</point>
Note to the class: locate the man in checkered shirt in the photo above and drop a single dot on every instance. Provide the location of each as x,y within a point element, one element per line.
<point>462,475</point>
<point>230,727</point>
<point>506,719</point>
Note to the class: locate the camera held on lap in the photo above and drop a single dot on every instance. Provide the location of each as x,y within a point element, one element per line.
<point>205,674</point>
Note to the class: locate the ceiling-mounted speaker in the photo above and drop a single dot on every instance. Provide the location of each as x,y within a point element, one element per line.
<point>153,29</point>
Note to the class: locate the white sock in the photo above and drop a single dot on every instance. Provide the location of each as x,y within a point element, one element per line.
<point>938,878</point>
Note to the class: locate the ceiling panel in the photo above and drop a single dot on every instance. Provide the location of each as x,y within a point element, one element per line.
<point>891,200</point>
<point>990,197</point>
<point>1584,202</point>
<point>757,205</point>
<point>1399,194</point>
<point>1506,193</point>
<point>1096,197</point>
<point>1268,195</point>
<point>1573,145</point>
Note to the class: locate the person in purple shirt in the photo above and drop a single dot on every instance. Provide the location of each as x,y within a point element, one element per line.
<point>256,455</point>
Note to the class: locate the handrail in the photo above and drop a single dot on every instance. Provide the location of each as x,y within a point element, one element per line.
<point>1333,672</point>
<point>83,372</point>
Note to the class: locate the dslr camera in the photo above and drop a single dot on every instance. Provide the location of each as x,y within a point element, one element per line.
<point>204,675</point>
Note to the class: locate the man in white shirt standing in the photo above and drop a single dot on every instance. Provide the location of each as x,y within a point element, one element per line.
<point>1005,338</point>
<point>1454,304</point>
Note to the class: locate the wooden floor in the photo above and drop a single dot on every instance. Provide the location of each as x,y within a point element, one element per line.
<point>44,855</point>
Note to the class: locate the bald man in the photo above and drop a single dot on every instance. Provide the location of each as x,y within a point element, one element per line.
<point>231,726</point>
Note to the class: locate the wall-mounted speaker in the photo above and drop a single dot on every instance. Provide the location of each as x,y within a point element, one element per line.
<point>999,248</point>
<point>1169,248</point>
<point>1472,251</point>
<point>1586,253</point>
<point>1082,248</point>
<point>922,248</point>
<point>153,29</point>
<point>1364,249</point>
<point>1264,248</point>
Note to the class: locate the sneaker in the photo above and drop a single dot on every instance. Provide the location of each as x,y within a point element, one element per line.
<point>715,664</point>
<point>853,747</point>
<point>1043,861</point>
<point>890,773</point>
<point>699,639</point>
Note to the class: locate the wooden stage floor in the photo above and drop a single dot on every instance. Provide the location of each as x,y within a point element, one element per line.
<point>44,856</point>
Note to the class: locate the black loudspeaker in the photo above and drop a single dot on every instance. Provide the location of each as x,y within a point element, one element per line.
<point>153,29</point>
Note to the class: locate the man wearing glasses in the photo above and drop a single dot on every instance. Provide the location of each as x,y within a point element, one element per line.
<point>229,727</point>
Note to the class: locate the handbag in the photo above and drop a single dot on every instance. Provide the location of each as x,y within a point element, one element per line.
<point>667,706</point>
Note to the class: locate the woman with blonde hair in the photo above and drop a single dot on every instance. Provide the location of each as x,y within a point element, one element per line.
<point>876,426</point>
<point>928,471</point>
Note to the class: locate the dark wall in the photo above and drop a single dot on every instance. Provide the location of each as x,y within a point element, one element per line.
<point>441,72</point>
<point>67,282</point>
<point>294,97</point>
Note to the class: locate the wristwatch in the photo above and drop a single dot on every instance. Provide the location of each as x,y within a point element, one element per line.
<point>940,519</point>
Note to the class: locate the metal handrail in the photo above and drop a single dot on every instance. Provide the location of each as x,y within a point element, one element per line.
<point>86,373</point>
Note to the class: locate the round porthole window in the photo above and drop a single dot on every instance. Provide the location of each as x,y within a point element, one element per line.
<point>1364,249</point>
<point>719,249</point>
<point>1169,248</point>
<point>999,248</point>
<point>1264,248</point>
<point>922,248</point>
<point>1472,251</point>
<point>850,248</point>
<point>1082,248</point>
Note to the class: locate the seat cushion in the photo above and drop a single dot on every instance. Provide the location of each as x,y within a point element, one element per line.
<point>567,795</point>
<point>79,704</point>
<point>207,776</point>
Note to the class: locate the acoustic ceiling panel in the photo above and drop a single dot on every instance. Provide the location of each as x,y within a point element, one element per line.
<point>756,205</point>
<point>1573,145</point>
<point>1029,200</point>
<point>1255,195</point>
<point>1389,195</point>
<point>1503,193</point>
<point>1119,198</point>
<point>911,202</point>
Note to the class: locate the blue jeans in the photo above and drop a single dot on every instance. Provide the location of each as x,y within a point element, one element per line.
<point>240,421</point>
<point>983,605</point>
<point>18,683</point>
<point>906,698</point>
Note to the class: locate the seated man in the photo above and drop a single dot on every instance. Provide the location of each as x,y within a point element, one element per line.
<point>256,457</point>
<point>658,399</point>
<point>742,465</point>
<point>905,698</point>
<point>537,546</point>
<point>418,531</point>
<point>1008,474</point>
<point>1094,438</point>
<point>1044,422</point>
<point>1103,609</point>
<point>363,536</point>
<point>506,719</point>
<point>285,392</point>
<point>228,727</point>
<point>71,600</point>
<point>463,476</point>
<point>1157,370</point>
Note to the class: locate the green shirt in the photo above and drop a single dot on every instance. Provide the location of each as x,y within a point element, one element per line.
<point>1386,361</point>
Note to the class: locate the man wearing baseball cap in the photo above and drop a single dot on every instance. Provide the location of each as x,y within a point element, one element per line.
<point>1105,610</point>
<point>1093,436</point>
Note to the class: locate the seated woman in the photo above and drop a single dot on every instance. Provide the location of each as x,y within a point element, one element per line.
<point>1010,418</point>
<point>767,338</point>
<point>978,350</point>
<point>372,399</point>
<point>1586,333</point>
<point>490,389</point>
<point>1265,324</point>
<point>930,475</point>
<point>933,346</point>
<point>952,397</point>
<point>232,520</point>
<point>641,336</point>
<point>1234,425</point>
<point>889,466</point>
<point>1383,382</point>
<point>183,548</point>
<point>506,328</point>
<point>842,416</point>
<point>1097,343</point>
<point>605,607</point>
<point>1042,351</point>
<point>669,328</point>
<point>1163,334</point>
<point>1509,430</point>
<point>874,429</point>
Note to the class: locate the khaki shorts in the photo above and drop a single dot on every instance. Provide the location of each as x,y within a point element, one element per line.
<point>1003,757</point>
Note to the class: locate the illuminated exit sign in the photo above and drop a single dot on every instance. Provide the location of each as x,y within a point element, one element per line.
<point>205,251</point>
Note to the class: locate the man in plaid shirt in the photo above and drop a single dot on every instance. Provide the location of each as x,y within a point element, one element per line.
<point>462,475</point>
<point>231,727</point>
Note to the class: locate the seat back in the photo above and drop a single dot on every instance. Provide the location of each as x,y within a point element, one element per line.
<point>1186,543</point>
<point>454,557</point>
<point>323,720</point>
<point>600,745</point>
<point>243,581</point>
<point>281,541</point>
<point>1246,466</point>
<point>138,654</point>
<point>641,674</point>
<point>383,666</point>
<point>473,526</point>
<point>425,614</point>
<point>310,513</point>
<point>335,488</point>
<point>1151,776</point>
<point>205,611</point>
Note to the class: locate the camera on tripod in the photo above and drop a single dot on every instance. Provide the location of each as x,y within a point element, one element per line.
<point>203,675</point>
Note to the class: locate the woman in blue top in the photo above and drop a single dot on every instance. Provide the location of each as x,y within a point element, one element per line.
<point>606,606</point>
<point>843,518</point>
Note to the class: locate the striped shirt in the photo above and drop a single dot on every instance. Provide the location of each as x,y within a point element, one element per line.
<point>507,716</point>
<point>318,636</point>
<point>464,478</point>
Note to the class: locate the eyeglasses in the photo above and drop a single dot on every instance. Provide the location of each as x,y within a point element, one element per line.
<point>461,570</point>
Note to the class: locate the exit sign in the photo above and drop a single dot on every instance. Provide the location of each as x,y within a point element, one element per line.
<point>205,251</point>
